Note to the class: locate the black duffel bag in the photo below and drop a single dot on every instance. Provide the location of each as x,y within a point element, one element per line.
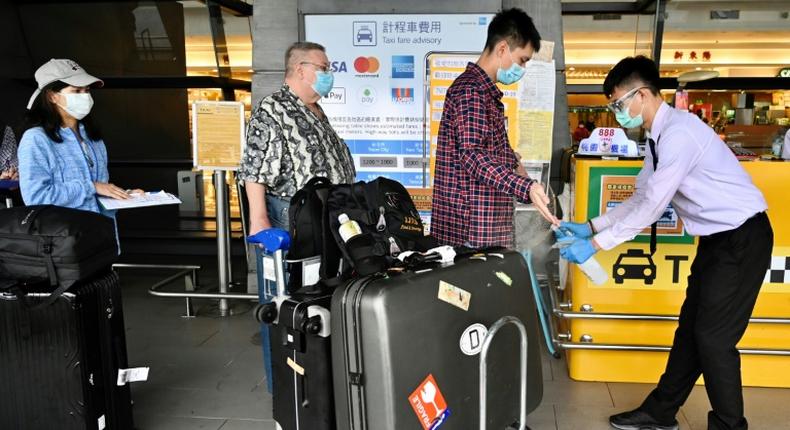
<point>54,244</point>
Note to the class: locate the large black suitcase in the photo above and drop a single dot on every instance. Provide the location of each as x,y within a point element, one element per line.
<point>301,364</point>
<point>59,363</point>
<point>406,348</point>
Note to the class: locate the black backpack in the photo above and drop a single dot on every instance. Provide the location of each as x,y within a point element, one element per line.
<point>388,219</point>
<point>384,211</point>
<point>54,244</point>
<point>308,226</point>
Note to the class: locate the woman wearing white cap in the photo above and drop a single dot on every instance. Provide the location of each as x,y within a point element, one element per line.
<point>62,158</point>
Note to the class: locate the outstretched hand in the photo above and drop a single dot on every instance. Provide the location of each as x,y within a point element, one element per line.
<point>540,200</point>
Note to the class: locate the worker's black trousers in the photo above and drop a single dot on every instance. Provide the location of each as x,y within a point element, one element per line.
<point>725,279</point>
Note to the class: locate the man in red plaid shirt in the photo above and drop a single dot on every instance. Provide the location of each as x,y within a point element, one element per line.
<point>477,173</point>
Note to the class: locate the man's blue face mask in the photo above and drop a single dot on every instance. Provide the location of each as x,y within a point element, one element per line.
<point>513,74</point>
<point>324,79</point>
<point>323,83</point>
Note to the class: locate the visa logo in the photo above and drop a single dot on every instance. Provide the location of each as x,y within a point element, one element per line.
<point>338,66</point>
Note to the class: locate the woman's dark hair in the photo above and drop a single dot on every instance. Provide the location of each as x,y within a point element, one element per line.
<point>630,72</point>
<point>515,26</point>
<point>45,114</point>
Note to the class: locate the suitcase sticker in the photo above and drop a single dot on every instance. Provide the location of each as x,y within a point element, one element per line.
<point>455,296</point>
<point>429,404</point>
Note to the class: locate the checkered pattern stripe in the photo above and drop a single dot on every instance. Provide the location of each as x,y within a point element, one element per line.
<point>779,272</point>
<point>475,179</point>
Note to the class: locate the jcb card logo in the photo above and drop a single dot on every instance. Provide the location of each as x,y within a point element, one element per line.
<point>367,66</point>
<point>403,95</point>
<point>429,404</point>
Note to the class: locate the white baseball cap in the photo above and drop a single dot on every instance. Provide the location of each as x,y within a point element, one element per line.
<point>66,71</point>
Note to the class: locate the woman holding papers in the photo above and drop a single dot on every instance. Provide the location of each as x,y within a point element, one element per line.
<point>62,158</point>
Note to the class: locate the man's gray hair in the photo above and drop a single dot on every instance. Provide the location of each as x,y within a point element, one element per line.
<point>296,53</point>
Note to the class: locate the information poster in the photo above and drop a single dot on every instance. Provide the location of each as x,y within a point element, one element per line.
<point>611,186</point>
<point>443,69</point>
<point>617,189</point>
<point>218,135</point>
<point>536,96</point>
<point>378,103</point>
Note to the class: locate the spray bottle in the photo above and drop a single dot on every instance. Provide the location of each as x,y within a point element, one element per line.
<point>590,267</point>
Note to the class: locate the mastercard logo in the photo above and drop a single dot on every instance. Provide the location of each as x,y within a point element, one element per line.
<point>366,65</point>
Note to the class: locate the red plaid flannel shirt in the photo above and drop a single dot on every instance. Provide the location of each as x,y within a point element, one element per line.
<point>474,179</point>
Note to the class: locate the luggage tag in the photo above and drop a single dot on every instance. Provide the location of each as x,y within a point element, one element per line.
<point>135,374</point>
<point>296,367</point>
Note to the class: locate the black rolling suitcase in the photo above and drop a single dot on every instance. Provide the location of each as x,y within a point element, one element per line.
<point>407,348</point>
<point>300,349</point>
<point>59,363</point>
<point>301,365</point>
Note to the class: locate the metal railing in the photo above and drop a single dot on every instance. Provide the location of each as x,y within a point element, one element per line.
<point>563,340</point>
<point>189,274</point>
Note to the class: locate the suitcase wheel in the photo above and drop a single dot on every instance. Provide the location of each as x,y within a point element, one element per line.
<point>266,313</point>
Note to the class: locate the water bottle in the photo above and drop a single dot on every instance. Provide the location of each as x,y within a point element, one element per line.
<point>348,227</point>
<point>590,267</point>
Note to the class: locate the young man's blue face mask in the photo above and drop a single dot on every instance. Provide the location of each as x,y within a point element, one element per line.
<point>512,74</point>
<point>622,110</point>
<point>627,121</point>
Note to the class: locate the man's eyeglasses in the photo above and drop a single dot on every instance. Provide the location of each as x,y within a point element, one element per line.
<point>618,105</point>
<point>322,67</point>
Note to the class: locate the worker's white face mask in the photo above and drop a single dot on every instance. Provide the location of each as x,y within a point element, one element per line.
<point>78,105</point>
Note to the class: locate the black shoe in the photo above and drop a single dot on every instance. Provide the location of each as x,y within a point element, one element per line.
<point>639,420</point>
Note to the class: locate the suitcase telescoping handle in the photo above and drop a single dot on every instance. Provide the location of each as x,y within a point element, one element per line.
<point>492,331</point>
<point>273,241</point>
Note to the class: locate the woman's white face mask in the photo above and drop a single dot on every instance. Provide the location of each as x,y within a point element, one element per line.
<point>78,105</point>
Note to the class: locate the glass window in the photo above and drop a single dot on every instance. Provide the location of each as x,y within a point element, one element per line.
<point>595,43</point>
<point>736,38</point>
<point>200,51</point>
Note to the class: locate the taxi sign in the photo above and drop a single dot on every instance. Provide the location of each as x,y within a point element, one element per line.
<point>608,141</point>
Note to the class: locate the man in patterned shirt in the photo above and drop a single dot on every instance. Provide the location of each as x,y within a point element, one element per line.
<point>290,140</point>
<point>477,173</point>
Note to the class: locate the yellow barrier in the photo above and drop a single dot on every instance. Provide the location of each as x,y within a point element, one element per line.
<point>641,285</point>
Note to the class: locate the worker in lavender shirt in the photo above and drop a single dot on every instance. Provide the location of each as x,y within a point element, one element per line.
<point>691,167</point>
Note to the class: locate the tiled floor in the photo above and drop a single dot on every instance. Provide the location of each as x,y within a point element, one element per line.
<point>206,373</point>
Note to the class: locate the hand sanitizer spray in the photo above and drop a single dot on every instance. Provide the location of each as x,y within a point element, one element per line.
<point>591,268</point>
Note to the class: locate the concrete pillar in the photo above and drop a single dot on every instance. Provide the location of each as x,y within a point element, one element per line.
<point>531,230</point>
<point>547,15</point>
<point>275,26</point>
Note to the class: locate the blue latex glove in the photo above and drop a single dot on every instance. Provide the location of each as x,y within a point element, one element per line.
<point>579,251</point>
<point>580,230</point>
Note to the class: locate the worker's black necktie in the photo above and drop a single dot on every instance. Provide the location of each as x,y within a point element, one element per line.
<point>652,144</point>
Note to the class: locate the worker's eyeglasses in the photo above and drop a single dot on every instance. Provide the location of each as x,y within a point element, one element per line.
<point>618,105</point>
<point>322,67</point>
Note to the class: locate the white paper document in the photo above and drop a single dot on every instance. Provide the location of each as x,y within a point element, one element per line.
<point>157,198</point>
<point>135,374</point>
